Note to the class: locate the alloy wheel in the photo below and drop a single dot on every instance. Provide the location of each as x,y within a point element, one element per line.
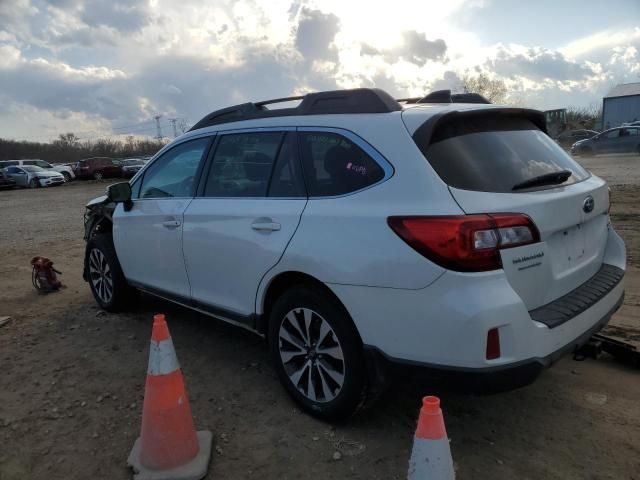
<point>100,274</point>
<point>311,355</point>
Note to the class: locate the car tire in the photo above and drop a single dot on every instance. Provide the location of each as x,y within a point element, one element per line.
<point>98,175</point>
<point>34,183</point>
<point>326,376</point>
<point>67,177</point>
<point>106,280</point>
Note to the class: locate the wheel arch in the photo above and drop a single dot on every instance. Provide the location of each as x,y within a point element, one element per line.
<point>281,283</point>
<point>97,224</point>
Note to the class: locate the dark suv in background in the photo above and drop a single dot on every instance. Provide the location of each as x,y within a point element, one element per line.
<point>97,167</point>
<point>6,181</point>
<point>614,140</point>
<point>567,138</point>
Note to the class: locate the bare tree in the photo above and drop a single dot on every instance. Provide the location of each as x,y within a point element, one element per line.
<point>182,125</point>
<point>66,140</point>
<point>493,89</point>
<point>585,117</point>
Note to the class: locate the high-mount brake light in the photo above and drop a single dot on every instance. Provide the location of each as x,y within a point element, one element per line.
<point>466,243</point>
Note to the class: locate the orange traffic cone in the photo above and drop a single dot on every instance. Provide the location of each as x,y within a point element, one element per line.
<point>169,448</point>
<point>431,455</point>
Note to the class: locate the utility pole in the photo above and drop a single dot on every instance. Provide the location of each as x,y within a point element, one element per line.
<point>173,123</point>
<point>158,129</point>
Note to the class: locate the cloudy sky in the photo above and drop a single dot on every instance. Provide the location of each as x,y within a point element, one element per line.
<point>104,67</point>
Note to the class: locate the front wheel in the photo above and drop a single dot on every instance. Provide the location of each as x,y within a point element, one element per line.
<point>317,353</point>
<point>34,183</point>
<point>98,175</point>
<point>108,285</point>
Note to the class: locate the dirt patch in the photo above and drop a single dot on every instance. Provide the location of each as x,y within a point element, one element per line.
<point>73,377</point>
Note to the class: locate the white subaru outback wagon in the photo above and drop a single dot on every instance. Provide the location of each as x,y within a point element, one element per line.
<point>364,236</point>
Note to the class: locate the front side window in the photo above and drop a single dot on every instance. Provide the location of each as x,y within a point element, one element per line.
<point>174,173</point>
<point>334,165</point>
<point>242,164</point>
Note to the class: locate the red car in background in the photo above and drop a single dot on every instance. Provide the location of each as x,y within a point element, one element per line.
<point>97,167</point>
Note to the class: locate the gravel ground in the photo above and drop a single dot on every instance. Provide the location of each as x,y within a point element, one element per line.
<point>73,380</point>
<point>616,169</point>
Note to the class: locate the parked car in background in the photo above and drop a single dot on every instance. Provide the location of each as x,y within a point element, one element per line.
<point>567,138</point>
<point>97,167</point>
<point>635,123</point>
<point>614,140</point>
<point>65,170</point>
<point>33,177</point>
<point>130,166</point>
<point>6,181</point>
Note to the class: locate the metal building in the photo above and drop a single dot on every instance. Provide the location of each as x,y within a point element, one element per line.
<point>621,105</point>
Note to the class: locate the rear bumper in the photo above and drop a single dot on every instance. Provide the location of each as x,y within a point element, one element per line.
<point>479,380</point>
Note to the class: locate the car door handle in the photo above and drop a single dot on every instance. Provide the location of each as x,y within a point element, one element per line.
<point>265,226</point>
<point>171,224</point>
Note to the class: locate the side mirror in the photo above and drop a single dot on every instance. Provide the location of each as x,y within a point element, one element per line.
<point>120,193</point>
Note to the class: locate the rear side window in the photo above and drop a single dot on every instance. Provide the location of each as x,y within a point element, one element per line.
<point>334,165</point>
<point>242,164</point>
<point>494,153</point>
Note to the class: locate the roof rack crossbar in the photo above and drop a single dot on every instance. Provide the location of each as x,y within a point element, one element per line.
<point>280,100</point>
<point>408,100</point>
<point>358,100</point>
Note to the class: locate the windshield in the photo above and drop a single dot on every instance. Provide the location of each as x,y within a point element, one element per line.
<point>494,154</point>
<point>32,168</point>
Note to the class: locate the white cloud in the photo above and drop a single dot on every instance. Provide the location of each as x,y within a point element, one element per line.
<point>115,62</point>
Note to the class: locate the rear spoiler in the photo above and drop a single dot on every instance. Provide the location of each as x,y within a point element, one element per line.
<point>424,134</point>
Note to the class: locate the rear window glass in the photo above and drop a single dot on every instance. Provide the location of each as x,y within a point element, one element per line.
<point>496,153</point>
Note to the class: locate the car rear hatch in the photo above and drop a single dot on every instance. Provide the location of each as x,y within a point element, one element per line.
<point>500,160</point>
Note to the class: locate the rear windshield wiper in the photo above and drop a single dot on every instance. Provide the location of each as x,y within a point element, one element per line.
<point>553,178</point>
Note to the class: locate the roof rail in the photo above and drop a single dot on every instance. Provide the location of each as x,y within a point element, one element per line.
<point>445,96</point>
<point>358,100</point>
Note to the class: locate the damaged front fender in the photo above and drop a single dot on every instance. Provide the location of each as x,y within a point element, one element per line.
<point>98,218</point>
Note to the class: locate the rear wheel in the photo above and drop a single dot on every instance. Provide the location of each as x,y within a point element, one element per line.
<point>317,353</point>
<point>98,175</point>
<point>108,285</point>
<point>67,177</point>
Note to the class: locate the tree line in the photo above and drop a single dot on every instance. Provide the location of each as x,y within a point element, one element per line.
<point>68,148</point>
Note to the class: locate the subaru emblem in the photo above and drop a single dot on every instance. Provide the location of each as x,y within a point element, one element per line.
<point>588,204</point>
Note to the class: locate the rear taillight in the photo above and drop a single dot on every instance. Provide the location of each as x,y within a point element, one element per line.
<point>466,243</point>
